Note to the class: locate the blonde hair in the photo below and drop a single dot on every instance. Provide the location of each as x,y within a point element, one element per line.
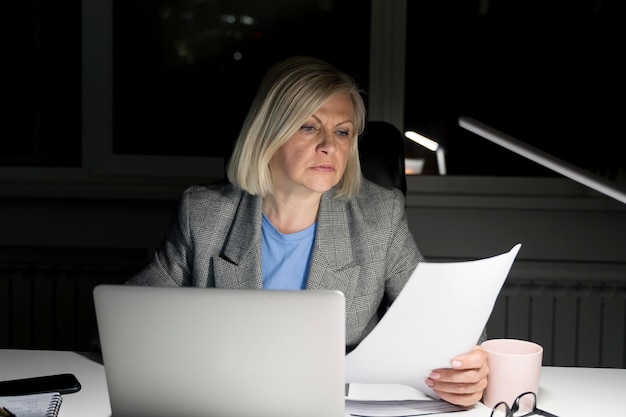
<point>291,91</point>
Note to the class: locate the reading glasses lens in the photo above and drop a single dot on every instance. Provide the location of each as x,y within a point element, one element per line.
<point>524,405</point>
<point>501,410</point>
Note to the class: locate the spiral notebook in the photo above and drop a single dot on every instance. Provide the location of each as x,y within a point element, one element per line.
<point>33,405</point>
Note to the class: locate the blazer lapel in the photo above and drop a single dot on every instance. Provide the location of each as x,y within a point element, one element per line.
<point>239,265</point>
<point>332,261</point>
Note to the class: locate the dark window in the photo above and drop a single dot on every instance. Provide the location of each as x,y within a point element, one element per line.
<point>185,72</point>
<point>548,73</point>
<point>44,114</point>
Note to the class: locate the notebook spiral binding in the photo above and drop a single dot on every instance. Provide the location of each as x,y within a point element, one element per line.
<point>53,407</point>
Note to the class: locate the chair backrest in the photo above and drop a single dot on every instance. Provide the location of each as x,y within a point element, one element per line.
<point>381,152</point>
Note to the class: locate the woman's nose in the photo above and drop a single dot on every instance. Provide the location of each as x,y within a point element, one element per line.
<point>327,141</point>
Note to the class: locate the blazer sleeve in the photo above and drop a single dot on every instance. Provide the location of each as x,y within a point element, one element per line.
<point>172,261</point>
<point>403,254</point>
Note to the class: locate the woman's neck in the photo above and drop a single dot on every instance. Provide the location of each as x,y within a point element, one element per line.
<point>289,214</point>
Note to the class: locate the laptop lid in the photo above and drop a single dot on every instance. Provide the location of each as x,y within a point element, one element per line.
<point>222,352</point>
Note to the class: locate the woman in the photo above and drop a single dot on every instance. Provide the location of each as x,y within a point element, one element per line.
<point>297,214</point>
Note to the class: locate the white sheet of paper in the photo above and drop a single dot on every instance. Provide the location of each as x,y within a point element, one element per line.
<point>384,392</point>
<point>440,313</point>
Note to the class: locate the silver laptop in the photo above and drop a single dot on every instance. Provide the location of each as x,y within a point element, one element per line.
<point>191,352</point>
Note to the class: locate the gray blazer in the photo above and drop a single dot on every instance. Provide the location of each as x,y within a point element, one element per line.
<point>363,247</point>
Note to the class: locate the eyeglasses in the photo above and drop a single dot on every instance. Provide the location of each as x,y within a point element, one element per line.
<point>524,405</point>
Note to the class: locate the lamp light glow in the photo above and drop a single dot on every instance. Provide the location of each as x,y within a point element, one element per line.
<point>422,140</point>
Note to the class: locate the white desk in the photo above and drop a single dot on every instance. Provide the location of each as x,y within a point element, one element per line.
<point>93,398</point>
<point>566,392</point>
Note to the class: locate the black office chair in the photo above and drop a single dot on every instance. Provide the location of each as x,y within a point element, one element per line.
<point>381,152</point>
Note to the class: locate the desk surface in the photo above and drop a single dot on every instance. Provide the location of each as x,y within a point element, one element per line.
<point>93,398</point>
<point>566,392</point>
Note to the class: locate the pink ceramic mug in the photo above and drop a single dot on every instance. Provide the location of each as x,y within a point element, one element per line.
<point>514,368</point>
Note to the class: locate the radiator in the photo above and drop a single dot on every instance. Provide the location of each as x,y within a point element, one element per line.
<point>577,323</point>
<point>51,307</point>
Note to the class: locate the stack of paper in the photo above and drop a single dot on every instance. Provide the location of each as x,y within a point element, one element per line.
<point>392,400</point>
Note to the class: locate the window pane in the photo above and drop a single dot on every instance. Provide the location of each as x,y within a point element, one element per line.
<point>185,72</point>
<point>45,114</point>
<point>547,73</point>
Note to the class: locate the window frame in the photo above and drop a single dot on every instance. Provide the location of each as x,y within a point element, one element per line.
<point>100,165</point>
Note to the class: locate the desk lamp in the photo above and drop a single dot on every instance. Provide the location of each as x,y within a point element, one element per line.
<point>431,145</point>
<point>562,167</point>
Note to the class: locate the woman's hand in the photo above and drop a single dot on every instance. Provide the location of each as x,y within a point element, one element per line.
<point>462,384</point>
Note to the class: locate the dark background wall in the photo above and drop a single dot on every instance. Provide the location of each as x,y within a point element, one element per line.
<point>67,226</point>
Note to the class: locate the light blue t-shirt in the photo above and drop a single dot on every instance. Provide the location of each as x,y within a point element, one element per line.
<point>285,258</point>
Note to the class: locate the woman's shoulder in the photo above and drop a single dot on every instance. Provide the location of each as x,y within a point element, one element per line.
<point>371,191</point>
<point>212,193</point>
<point>218,186</point>
<point>372,201</point>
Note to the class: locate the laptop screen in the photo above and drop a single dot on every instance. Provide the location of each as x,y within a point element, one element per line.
<point>209,351</point>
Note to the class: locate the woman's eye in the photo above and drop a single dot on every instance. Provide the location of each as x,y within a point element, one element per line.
<point>308,128</point>
<point>343,133</point>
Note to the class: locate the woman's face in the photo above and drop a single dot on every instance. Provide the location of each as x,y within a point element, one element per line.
<point>314,159</point>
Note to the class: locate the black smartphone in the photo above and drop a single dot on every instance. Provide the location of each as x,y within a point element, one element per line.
<point>62,383</point>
